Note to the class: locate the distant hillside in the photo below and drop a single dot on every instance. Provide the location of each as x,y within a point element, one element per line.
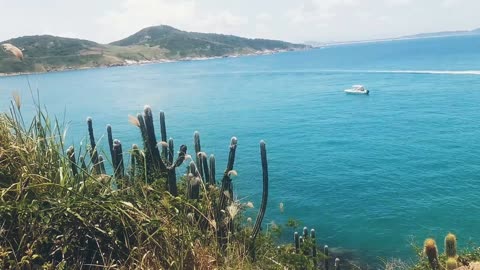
<point>187,44</point>
<point>158,43</point>
<point>445,34</point>
<point>421,35</point>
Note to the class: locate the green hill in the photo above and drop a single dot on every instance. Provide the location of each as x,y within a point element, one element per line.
<point>191,44</point>
<point>157,43</point>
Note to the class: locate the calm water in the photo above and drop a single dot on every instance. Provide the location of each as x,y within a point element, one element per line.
<point>368,172</point>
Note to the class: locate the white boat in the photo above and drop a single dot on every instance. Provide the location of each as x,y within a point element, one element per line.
<point>357,89</point>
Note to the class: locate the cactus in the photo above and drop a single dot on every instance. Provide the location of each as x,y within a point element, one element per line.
<point>198,149</point>
<point>171,177</point>
<point>163,132</point>
<point>314,247</point>
<point>133,159</point>
<point>211,177</point>
<point>110,140</point>
<point>152,141</point>
<point>451,245</point>
<point>118,166</point>
<point>101,163</point>
<point>193,191</point>
<point>206,172</point>
<point>226,180</point>
<point>263,206</point>
<point>325,260</point>
<point>296,239</point>
<point>71,157</point>
<point>93,150</point>
<point>432,253</point>
<point>337,264</point>
<point>170,151</point>
<point>83,164</point>
<point>305,233</point>
<point>451,263</point>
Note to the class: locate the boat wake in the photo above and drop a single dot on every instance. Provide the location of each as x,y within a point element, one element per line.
<point>447,72</point>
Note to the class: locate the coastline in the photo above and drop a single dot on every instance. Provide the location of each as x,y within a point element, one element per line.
<point>159,61</point>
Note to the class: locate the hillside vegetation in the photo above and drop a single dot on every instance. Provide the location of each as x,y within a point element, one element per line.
<point>158,43</point>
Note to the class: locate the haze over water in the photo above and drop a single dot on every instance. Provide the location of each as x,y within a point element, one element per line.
<point>367,172</point>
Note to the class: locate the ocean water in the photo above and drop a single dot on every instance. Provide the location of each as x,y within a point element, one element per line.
<point>369,173</point>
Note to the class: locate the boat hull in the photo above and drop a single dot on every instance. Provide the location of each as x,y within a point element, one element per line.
<point>355,92</point>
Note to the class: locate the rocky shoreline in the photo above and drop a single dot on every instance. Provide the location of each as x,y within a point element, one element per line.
<point>156,61</point>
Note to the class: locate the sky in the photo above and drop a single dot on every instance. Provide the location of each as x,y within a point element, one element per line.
<point>105,21</point>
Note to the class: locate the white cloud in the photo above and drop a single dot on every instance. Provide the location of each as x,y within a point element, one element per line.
<point>132,15</point>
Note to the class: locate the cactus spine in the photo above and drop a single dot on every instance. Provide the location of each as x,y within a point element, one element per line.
<point>163,132</point>
<point>432,253</point>
<point>93,150</point>
<point>451,246</point>
<point>263,206</point>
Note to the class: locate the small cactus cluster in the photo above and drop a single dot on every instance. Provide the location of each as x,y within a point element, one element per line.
<point>431,251</point>
<point>156,161</point>
<point>306,244</point>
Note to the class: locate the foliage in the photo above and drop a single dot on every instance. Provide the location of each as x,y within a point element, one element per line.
<point>52,218</point>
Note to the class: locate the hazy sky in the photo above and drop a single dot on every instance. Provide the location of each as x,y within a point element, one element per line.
<point>292,20</point>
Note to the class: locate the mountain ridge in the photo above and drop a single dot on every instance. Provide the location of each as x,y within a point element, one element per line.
<point>161,43</point>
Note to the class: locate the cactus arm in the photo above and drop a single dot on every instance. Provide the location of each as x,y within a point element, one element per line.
<point>163,132</point>
<point>211,177</point>
<point>93,151</point>
<point>71,157</point>
<point>263,206</point>
<point>110,140</point>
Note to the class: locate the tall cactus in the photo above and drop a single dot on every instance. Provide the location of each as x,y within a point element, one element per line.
<point>430,249</point>
<point>170,151</point>
<point>226,180</point>
<point>211,177</point>
<point>171,177</point>
<point>71,157</point>
<point>451,245</point>
<point>163,132</point>
<point>152,140</point>
<point>325,260</point>
<point>206,171</point>
<point>193,186</point>
<point>198,150</point>
<point>110,141</point>
<point>337,264</point>
<point>314,247</point>
<point>118,166</point>
<point>133,160</point>
<point>296,240</point>
<point>93,146</point>
<point>263,205</point>
<point>101,163</point>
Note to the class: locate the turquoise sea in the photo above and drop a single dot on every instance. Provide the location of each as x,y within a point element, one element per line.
<point>369,173</point>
